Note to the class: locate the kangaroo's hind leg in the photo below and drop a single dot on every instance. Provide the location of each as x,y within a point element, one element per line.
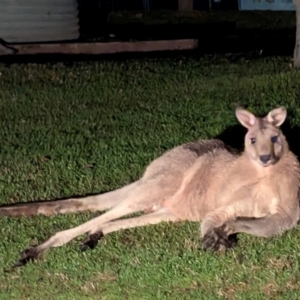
<point>162,215</point>
<point>144,195</point>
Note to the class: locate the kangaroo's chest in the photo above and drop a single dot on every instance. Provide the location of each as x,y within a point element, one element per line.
<point>251,198</point>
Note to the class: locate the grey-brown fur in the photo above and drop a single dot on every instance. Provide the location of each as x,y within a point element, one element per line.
<point>202,147</point>
<point>205,181</point>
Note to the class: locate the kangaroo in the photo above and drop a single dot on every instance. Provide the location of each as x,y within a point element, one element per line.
<point>254,192</point>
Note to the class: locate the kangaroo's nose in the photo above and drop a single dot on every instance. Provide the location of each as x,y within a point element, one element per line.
<point>265,158</point>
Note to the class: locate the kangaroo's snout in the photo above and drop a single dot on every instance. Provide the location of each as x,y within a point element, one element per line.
<point>265,158</point>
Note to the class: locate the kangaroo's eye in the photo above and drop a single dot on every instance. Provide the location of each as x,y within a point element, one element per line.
<point>252,140</point>
<point>274,139</point>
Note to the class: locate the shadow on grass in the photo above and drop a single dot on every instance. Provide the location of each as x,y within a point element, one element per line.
<point>292,135</point>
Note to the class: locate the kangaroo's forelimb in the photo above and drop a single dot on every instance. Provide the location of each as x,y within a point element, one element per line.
<point>271,225</point>
<point>219,238</point>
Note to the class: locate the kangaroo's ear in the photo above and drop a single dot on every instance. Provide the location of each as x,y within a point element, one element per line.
<point>277,116</point>
<point>246,118</point>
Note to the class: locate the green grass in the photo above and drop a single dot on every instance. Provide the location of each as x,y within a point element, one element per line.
<point>94,126</point>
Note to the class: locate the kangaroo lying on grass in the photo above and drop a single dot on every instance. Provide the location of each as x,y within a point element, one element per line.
<point>254,192</point>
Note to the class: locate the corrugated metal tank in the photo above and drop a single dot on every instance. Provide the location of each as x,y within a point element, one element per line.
<point>38,20</point>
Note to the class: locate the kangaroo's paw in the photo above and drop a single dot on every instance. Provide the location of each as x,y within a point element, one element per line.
<point>91,241</point>
<point>217,240</point>
<point>29,254</point>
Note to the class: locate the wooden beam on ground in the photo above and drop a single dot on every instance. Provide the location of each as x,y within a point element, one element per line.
<point>102,48</point>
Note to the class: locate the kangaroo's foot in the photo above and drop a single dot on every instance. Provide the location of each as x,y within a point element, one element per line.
<point>27,255</point>
<point>91,241</point>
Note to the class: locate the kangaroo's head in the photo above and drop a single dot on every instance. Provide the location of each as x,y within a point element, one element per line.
<point>264,141</point>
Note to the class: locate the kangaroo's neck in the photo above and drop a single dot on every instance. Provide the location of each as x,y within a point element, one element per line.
<point>286,159</point>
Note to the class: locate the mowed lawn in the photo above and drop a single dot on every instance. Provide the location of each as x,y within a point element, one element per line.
<point>91,127</point>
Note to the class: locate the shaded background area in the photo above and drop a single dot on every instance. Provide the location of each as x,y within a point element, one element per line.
<point>219,26</point>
